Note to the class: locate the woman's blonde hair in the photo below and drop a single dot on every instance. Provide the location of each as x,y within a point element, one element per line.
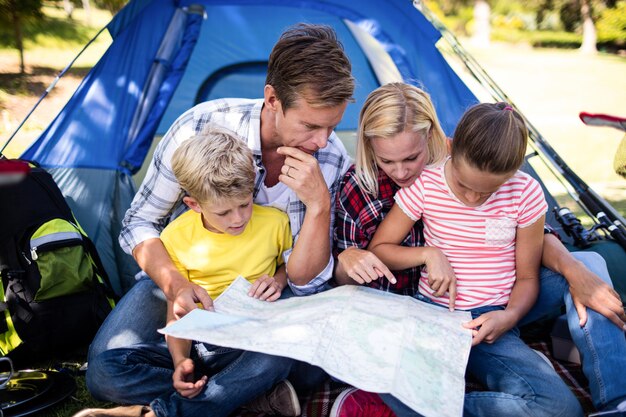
<point>389,110</point>
<point>214,165</point>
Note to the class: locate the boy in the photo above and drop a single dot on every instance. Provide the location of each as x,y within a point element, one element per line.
<point>222,236</point>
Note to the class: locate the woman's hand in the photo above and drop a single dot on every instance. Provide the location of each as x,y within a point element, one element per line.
<point>183,378</point>
<point>441,277</point>
<point>266,288</point>
<point>490,326</point>
<point>362,266</point>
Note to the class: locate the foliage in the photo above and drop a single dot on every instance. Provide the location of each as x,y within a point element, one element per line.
<point>570,15</point>
<point>554,23</point>
<point>25,9</point>
<point>55,30</point>
<point>113,6</point>
<point>612,25</point>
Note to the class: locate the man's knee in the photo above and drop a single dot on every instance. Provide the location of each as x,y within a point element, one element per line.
<point>100,376</point>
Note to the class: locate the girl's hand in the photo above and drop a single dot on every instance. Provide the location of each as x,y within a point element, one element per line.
<point>490,326</point>
<point>266,288</point>
<point>362,266</point>
<point>183,379</point>
<point>441,276</point>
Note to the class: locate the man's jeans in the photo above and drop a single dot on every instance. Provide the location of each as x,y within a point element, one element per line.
<point>602,346</point>
<point>129,363</point>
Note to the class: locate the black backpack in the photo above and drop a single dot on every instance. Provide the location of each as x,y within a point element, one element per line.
<point>54,289</point>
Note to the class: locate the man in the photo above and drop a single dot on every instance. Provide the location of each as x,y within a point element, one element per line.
<point>299,164</point>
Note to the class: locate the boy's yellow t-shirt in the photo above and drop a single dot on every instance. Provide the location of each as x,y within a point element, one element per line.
<point>213,260</point>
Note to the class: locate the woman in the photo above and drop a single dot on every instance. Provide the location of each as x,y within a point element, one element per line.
<point>398,135</point>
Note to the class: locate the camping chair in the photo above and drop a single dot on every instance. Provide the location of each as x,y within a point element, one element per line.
<point>619,163</point>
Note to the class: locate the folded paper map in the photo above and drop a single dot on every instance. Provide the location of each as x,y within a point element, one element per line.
<point>373,340</point>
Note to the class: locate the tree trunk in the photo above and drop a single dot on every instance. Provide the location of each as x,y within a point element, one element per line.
<point>87,8</point>
<point>68,7</point>
<point>589,29</point>
<point>19,44</point>
<point>482,28</point>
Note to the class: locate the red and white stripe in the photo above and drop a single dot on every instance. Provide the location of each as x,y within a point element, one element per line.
<point>479,242</point>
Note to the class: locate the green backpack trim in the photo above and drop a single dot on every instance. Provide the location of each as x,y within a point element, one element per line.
<point>9,339</point>
<point>57,249</point>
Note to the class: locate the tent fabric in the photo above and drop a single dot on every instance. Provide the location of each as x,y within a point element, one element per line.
<point>167,55</point>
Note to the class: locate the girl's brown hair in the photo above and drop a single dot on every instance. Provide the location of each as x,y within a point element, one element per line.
<point>491,137</point>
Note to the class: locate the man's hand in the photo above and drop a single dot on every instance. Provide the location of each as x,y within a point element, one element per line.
<point>301,172</point>
<point>265,288</point>
<point>490,326</point>
<point>183,379</point>
<point>362,266</point>
<point>188,297</point>
<point>441,277</point>
<point>589,290</point>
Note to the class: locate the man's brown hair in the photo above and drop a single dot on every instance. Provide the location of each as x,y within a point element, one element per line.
<point>491,137</point>
<point>308,61</point>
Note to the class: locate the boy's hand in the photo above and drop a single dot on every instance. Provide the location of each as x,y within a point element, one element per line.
<point>266,288</point>
<point>187,299</point>
<point>183,379</point>
<point>441,277</point>
<point>490,326</point>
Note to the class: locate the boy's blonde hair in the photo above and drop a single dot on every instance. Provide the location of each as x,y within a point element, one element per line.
<point>492,137</point>
<point>214,165</point>
<point>389,110</point>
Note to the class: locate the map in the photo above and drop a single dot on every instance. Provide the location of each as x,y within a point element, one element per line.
<point>374,340</point>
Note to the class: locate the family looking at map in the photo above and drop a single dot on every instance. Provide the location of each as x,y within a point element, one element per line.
<point>302,169</point>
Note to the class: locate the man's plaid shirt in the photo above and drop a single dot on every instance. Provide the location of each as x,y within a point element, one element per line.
<point>358,216</point>
<point>159,198</point>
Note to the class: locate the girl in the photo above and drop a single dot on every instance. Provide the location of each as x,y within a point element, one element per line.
<point>483,227</point>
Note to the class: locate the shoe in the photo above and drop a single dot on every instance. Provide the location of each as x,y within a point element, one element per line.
<point>353,402</point>
<point>126,411</point>
<point>281,401</point>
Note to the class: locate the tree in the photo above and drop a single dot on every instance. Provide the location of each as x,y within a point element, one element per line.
<point>113,6</point>
<point>482,27</point>
<point>590,36</point>
<point>14,13</point>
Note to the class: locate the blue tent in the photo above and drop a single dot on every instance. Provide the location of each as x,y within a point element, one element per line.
<point>168,55</point>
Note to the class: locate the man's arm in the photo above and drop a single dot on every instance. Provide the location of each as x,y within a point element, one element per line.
<point>154,260</point>
<point>587,289</point>
<point>311,254</point>
<point>155,202</point>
